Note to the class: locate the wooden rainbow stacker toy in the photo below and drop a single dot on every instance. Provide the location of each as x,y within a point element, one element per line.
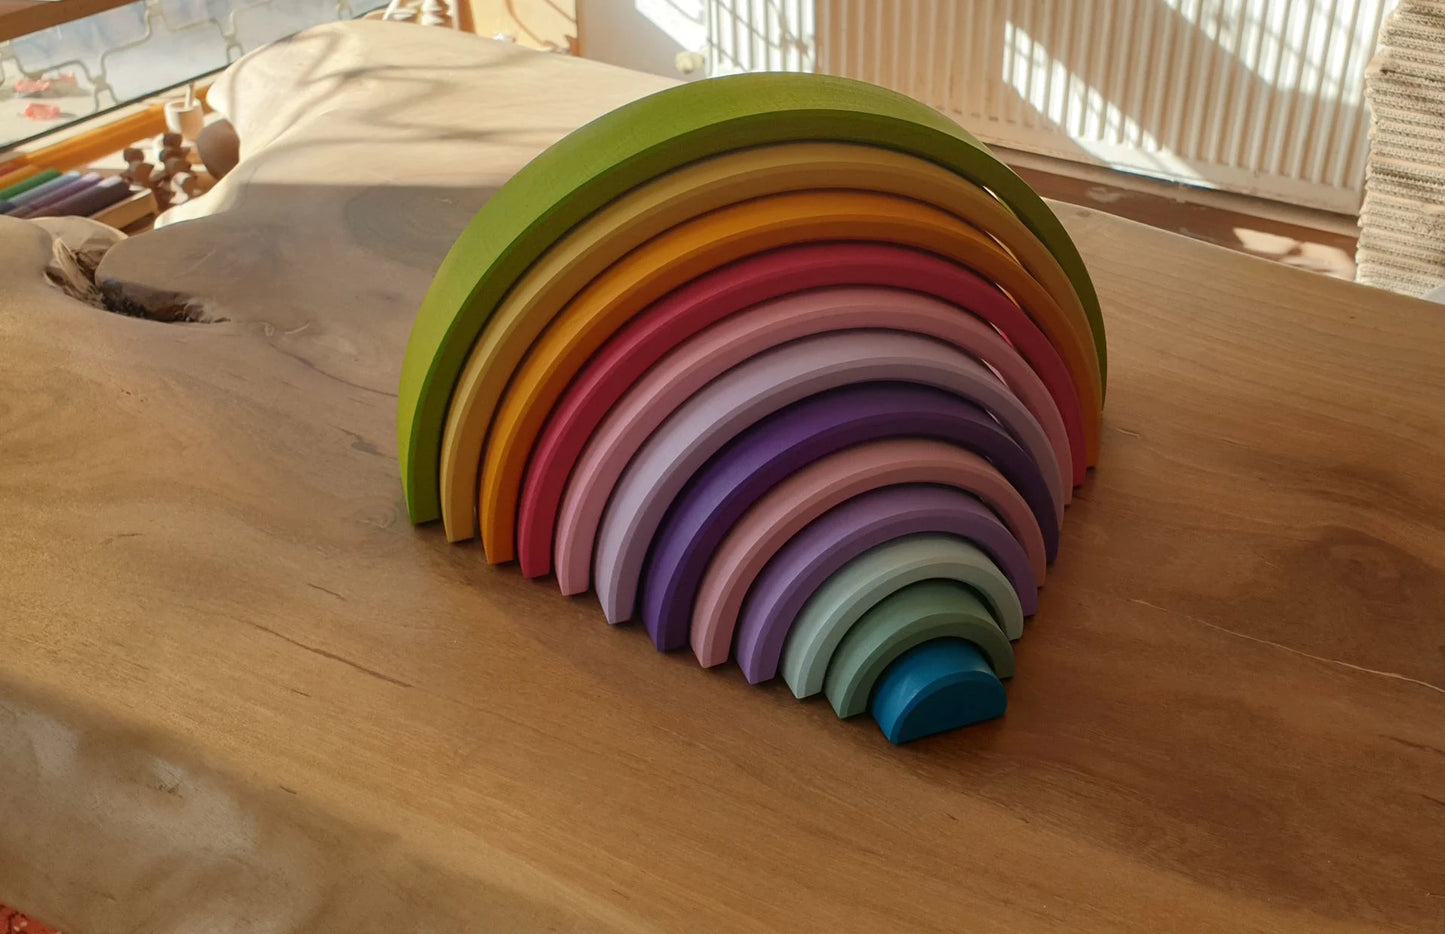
<point>787,367</point>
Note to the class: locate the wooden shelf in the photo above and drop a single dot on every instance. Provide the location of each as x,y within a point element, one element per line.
<point>22,17</point>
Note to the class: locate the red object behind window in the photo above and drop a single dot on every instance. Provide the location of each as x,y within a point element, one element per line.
<point>42,111</point>
<point>13,922</point>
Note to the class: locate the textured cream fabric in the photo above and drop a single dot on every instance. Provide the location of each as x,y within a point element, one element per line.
<point>1402,220</point>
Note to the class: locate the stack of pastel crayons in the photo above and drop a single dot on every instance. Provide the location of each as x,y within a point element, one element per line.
<point>787,368</point>
<point>32,192</point>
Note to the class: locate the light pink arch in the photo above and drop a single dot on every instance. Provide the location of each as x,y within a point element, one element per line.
<point>837,309</point>
<point>729,404</point>
<point>667,323</point>
<point>691,366</point>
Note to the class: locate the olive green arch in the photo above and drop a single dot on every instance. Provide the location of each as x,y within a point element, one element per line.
<point>633,144</point>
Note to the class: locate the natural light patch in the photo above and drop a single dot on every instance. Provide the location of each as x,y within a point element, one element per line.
<point>1092,123</point>
<point>1302,44</point>
<point>1316,257</point>
<point>1265,244</point>
<point>761,35</point>
<point>684,21</point>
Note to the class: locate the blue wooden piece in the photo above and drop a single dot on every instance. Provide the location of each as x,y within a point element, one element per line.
<point>935,687</point>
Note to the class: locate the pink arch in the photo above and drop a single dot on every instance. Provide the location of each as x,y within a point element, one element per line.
<point>651,335</point>
<point>690,367</point>
<point>734,356</point>
<point>668,457</point>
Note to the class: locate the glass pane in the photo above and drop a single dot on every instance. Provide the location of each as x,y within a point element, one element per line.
<point>66,73</point>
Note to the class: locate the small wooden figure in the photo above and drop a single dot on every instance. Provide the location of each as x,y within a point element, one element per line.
<point>137,170</point>
<point>185,118</point>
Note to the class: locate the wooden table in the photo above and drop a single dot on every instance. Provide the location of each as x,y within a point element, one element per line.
<point>239,692</point>
<point>22,17</point>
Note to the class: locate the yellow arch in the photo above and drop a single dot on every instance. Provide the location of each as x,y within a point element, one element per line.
<point>704,244</point>
<point>675,198</point>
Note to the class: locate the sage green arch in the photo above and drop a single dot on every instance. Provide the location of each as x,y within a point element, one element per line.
<point>859,585</point>
<point>919,613</point>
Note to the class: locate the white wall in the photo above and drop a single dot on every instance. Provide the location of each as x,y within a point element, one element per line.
<point>645,35</point>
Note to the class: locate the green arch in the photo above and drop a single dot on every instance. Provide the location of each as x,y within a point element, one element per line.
<point>861,584</point>
<point>907,618</point>
<point>626,148</point>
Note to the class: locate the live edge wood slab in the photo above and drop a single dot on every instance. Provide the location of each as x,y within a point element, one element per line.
<point>238,691</point>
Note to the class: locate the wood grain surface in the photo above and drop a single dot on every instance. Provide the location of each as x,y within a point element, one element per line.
<point>238,692</point>
<point>22,17</point>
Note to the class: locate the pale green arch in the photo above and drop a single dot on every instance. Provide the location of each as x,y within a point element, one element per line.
<point>863,582</point>
<point>919,613</point>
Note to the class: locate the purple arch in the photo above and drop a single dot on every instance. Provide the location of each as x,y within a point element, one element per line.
<point>845,532</point>
<point>757,460</point>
